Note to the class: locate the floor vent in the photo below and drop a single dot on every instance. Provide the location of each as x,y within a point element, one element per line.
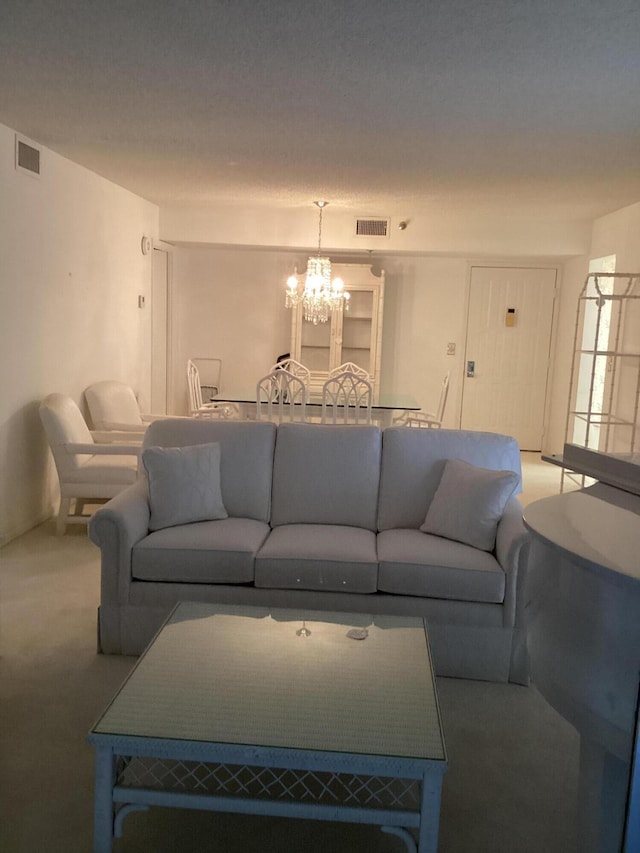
<point>377,227</point>
<point>27,157</point>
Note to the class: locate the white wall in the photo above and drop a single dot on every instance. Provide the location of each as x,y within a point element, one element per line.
<point>442,230</point>
<point>574,273</point>
<point>618,234</point>
<point>71,269</point>
<point>427,273</point>
<point>229,304</point>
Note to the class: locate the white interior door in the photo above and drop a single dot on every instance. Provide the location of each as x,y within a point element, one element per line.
<point>507,352</point>
<point>159,330</point>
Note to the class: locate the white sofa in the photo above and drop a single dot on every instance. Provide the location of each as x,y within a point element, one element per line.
<point>324,518</point>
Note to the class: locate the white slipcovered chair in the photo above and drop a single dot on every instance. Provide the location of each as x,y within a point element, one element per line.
<point>426,420</point>
<point>113,407</point>
<point>347,398</point>
<point>281,396</point>
<point>88,472</point>
<point>197,407</point>
<point>350,367</point>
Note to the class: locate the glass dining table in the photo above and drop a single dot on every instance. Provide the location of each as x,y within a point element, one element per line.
<point>383,407</point>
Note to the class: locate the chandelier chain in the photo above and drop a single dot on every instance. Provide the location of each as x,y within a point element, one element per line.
<point>320,229</point>
<point>320,296</point>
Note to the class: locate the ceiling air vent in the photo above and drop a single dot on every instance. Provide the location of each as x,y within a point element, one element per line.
<point>374,227</point>
<point>27,157</point>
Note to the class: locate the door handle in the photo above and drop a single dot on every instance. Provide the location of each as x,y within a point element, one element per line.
<point>471,369</point>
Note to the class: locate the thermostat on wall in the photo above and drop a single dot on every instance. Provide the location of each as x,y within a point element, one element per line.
<point>145,245</point>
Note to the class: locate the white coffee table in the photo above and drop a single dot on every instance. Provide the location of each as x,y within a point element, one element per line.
<point>234,709</point>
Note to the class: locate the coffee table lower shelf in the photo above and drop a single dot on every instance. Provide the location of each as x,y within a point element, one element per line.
<point>134,773</point>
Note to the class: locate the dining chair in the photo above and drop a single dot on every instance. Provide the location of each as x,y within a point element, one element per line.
<point>113,407</point>
<point>88,472</point>
<point>281,396</point>
<point>426,420</point>
<point>293,366</point>
<point>297,369</point>
<point>350,367</point>
<point>346,398</point>
<point>197,407</point>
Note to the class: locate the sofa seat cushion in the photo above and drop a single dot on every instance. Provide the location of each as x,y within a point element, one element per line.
<point>325,557</point>
<point>416,563</point>
<point>220,551</point>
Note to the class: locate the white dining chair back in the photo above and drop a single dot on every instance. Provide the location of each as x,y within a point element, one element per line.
<point>210,375</point>
<point>347,398</point>
<point>281,396</point>
<point>427,420</point>
<point>293,366</point>
<point>87,470</point>
<point>350,367</point>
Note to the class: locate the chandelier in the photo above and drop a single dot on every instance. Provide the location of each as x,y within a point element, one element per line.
<point>319,296</point>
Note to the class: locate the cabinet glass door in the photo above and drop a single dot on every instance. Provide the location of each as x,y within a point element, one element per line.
<point>315,346</point>
<point>356,330</point>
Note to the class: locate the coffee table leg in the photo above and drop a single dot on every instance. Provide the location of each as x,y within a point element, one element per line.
<point>429,814</point>
<point>404,834</point>
<point>103,804</point>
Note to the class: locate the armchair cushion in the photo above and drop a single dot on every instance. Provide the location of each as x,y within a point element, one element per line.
<point>184,484</point>
<point>469,503</point>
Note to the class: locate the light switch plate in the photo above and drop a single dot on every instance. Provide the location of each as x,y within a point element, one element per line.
<point>451,349</point>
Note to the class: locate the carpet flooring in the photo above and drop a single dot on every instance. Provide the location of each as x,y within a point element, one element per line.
<point>511,785</point>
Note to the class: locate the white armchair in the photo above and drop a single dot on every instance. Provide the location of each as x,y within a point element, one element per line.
<point>87,471</point>
<point>114,408</point>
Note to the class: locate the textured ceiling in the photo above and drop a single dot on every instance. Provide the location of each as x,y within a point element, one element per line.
<point>384,108</point>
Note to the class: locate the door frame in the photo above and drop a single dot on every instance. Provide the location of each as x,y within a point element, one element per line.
<point>516,263</point>
<point>168,248</point>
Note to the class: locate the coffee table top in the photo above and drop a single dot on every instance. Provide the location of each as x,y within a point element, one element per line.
<point>242,675</point>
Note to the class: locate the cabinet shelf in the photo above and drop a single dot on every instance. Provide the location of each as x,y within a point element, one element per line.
<point>604,396</point>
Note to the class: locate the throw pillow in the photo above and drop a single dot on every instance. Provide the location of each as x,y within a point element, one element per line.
<point>184,484</point>
<point>469,503</point>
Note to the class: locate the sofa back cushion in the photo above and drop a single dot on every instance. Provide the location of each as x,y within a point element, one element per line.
<point>413,462</point>
<point>246,458</point>
<point>326,474</point>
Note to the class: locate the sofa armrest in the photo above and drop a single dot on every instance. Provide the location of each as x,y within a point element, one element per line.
<point>512,546</point>
<point>115,528</point>
<point>511,537</point>
<point>512,552</point>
